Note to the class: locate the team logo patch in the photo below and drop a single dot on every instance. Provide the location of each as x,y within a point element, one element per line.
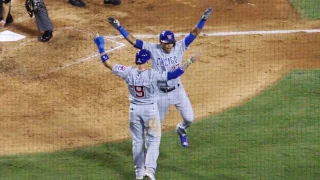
<point>169,36</point>
<point>121,68</point>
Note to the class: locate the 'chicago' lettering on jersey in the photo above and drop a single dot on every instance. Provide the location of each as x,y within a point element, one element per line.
<point>167,61</point>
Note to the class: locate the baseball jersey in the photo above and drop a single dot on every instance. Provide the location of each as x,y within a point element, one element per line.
<point>163,61</point>
<point>142,85</point>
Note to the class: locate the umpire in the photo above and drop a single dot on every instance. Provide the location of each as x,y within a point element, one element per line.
<point>5,16</point>
<point>39,10</point>
<point>80,3</point>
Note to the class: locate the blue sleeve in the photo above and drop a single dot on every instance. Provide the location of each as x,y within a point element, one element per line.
<point>139,44</point>
<point>175,74</point>
<point>189,39</point>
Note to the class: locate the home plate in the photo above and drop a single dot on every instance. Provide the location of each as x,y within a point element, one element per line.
<point>7,36</point>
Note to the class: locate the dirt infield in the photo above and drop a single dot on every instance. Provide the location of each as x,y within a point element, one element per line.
<point>55,96</point>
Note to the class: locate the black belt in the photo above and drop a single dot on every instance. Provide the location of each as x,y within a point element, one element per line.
<point>168,89</point>
<point>140,104</point>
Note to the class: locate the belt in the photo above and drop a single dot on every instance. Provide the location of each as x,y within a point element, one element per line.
<point>140,104</point>
<point>168,89</point>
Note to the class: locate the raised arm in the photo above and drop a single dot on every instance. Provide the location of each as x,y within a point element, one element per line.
<point>179,71</point>
<point>198,28</point>
<point>137,43</point>
<point>99,41</point>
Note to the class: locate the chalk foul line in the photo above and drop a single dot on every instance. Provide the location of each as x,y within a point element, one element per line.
<point>230,33</point>
<point>120,45</point>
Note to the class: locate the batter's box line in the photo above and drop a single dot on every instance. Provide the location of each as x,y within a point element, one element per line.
<point>87,58</point>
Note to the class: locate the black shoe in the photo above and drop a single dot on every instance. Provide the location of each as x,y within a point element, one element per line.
<point>47,35</point>
<point>113,2</point>
<point>77,3</point>
<point>9,19</point>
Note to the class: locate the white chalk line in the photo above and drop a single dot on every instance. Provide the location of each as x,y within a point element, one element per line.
<point>231,33</point>
<point>89,57</point>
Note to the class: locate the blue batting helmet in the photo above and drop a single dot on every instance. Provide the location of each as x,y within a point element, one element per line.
<point>142,56</point>
<point>167,37</point>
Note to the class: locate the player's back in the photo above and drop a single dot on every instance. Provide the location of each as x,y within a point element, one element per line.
<point>142,86</point>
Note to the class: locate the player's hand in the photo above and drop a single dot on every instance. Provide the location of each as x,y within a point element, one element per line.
<point>2,23</point>
<point>99,41</point>
<point>195,57</point>
<point>114,22</point>
<point>207,13</point>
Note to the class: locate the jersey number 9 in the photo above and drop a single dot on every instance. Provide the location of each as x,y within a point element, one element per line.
<point>139,91</point>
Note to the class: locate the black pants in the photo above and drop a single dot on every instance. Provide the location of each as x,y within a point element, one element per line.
<point>43,21</point>
<point>9,18</point>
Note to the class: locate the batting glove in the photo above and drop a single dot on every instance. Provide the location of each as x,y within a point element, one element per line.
<point>115,23</point>
<point>207,13</point>
<point>2,23</point>
<point>100,43</point>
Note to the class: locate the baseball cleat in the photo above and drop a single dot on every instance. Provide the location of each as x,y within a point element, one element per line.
<point>183,137</point>
<point>47,35</point>
<point>148,176</point>
<point>113,2</point>
<point>77,3</point>
<point>184,140</point>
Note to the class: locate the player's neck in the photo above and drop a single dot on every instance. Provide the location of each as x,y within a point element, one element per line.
<point>141,67</point>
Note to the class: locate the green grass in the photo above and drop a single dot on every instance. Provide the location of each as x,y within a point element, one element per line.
<point>276,135</point>
<point>308,8</point>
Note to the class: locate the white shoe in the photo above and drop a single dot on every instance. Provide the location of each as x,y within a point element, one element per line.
<point>149,176</point>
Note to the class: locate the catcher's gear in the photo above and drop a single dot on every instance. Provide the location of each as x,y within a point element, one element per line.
<point>115,23</point>
<point>32,6</point>
<point>207,13</point>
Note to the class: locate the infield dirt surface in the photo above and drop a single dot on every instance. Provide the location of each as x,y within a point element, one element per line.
<point>53,96</point>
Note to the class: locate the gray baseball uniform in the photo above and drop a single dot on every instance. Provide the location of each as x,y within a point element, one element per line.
<point>143,114</point>
<point>169,62</point>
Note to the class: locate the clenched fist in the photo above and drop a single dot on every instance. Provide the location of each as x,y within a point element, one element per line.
<point>207,13</point>
<point>114,22</point>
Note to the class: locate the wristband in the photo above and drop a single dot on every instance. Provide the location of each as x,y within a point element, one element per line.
<point>201,23</point>
<point>124,32</point>
<point>2,21</point>
<point>104,57</point>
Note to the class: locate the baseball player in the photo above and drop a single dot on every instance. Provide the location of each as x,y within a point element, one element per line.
<point>167,56</point>
<point>143,113</point>
<point>5,16</point>
<point>38,8</point>
<point>80,3</point>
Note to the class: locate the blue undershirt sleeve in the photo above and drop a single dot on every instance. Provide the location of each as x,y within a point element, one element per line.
<point>189,39</point>
<point>139,44</point>
<point>175,74</point>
